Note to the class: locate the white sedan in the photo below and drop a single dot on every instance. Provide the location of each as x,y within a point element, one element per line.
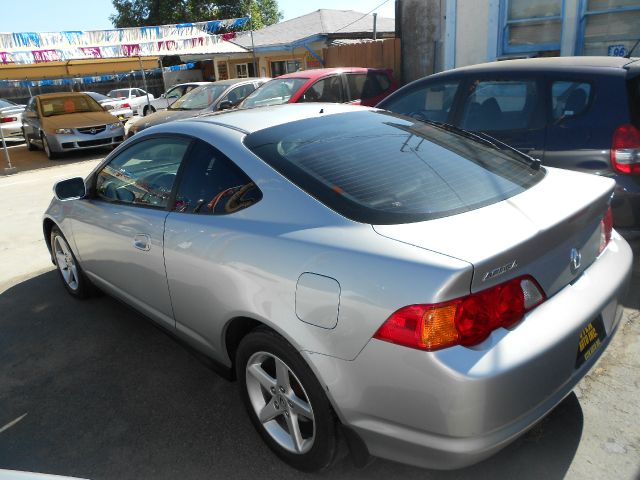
<point>135,97</point>
<point>120,109</point>
<point>11,120</point>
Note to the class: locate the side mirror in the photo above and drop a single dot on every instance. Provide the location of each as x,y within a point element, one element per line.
<point>30,114</point>
<point>225,105</point>
<point>70,189</point>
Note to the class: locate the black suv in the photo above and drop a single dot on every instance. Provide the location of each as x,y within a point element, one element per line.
<point>579,113</point>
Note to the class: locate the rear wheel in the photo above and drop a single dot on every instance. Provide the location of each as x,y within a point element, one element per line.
<point>70,272</point>
<point>148,110</point>
<point>285,401</point>
<point>27,139</point>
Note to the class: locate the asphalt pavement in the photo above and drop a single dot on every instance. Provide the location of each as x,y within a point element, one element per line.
<point>92,389</point>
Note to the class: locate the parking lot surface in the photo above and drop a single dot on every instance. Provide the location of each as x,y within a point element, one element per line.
<point>92,389</point>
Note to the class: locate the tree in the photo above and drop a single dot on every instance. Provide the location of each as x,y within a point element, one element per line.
<point>138,13</point>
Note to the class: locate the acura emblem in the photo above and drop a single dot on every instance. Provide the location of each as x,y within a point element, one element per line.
<point>92,131</point>
<point>574,260</point>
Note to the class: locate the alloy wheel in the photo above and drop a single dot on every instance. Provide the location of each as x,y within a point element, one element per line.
<point>280,402</point>
<point>65,262</point>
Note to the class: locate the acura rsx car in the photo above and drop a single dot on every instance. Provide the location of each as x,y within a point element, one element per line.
<point>422,293</point>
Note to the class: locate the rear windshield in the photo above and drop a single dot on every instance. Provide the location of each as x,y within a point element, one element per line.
<point>382,168</point>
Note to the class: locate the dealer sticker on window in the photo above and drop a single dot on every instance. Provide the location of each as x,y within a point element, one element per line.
<point>591,337</point>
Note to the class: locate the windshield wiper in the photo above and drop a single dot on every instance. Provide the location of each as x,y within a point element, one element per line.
<point>488,140</point>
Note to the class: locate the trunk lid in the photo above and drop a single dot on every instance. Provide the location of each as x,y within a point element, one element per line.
<point>540,232</point>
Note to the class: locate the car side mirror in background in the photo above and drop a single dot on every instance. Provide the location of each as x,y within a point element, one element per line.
<point>70,189</point>
<point>225,105</point>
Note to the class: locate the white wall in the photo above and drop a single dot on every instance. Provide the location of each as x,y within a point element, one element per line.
<point>472,25</point>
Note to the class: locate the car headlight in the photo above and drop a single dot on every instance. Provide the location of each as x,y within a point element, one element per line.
<point>115,125</point>
<point>64,131</point>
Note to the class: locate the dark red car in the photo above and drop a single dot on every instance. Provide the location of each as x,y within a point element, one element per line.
<point>360,86</point>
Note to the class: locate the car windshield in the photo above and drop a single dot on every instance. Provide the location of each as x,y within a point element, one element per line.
<point>383,168</point>
<point>99,97</point>
<point>274,92</point>
<point>119,93</point>
<point>6,103</point>
<point>64,105</point>
<point>199,98</point>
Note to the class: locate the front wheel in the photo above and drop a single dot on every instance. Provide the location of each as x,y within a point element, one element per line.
<point>148,110</point>
<point>68,268</point>
<point>285,401</point>
<point>47,148</point>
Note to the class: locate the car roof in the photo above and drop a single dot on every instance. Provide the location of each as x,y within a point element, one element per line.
<point>233,81</point>
<point>547,63</point>
<point>254,119</point>
<point>323,72</point>
<point>60,95</point>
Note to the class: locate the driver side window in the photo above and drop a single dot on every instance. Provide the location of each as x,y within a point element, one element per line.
<point>143,174</point>
<point>428,102</point>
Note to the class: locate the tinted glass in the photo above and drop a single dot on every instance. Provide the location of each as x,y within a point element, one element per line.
<point>236,95</point>
<point>377,167</point>
<point>426,102</point>
<point>366,85</point>
<point>274,92</point>
<point>325,90</point>
<point>143,174</point>
<point>73,104</point>
<point>500,105</point>
<point>213,185</point>
<point>569,99</point>
<point>199,98</point>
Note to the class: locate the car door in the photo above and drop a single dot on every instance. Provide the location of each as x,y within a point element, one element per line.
<point>206,240</point>
<point>236,95</point>
<point>119,229</point>
<point>328,89</point>
<point>31,121</point>
<point>507,108</point>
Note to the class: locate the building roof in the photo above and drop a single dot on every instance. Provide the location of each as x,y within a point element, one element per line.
<point>323,22</point>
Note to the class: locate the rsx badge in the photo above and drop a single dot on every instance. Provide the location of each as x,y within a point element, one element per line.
<point>496,272</point>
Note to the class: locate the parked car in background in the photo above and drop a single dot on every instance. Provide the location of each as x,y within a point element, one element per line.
<point>118,108</point>
<point>11,120</point>
<point>580,113</point>
<point>167,98</point>
<point>135,97</point>
<point>64,122</point>
<point>360,86</point>
<point>212,97</point>
<point>424,293</point>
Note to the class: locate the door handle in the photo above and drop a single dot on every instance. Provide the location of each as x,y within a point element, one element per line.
<point>142,241</point>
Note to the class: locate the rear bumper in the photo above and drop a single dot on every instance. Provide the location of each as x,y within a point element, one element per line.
<point>12,130</point>
<point>458,406</point>
<point>625,205</point>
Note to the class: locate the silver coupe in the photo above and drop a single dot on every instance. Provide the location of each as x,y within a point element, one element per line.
<point>424,292</point>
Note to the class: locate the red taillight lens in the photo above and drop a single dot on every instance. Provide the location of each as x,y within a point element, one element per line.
<point>625,150</point>
<point>465,321</point>
<point>8,119</point>
<point>606,226</point>
<point>125,105</point>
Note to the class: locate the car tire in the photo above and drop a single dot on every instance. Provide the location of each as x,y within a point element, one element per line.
<point>68,267</point>
<point>27,139</point>
<point>282,395</point>
<point>47,149</point>
<point>148,110</point>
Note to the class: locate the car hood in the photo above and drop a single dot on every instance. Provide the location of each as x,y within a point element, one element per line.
<point>163,117</point>
<point>532,233</point>
<point>75,120</point>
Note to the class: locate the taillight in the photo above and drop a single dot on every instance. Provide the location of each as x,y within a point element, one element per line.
<point>125,105</point>
<point>464,321</point>
<point>8,119</point>
<point>606,226</point>
<point>625,150</point>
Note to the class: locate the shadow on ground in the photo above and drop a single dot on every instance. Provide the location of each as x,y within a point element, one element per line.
<point>24,160</point>
<point>109,396</point>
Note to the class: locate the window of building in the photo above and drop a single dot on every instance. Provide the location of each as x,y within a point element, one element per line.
<point>284,66</point>
<point>608,27</point>
<point>213,185</point>
<point>530,26</point>
<point>242,71</point>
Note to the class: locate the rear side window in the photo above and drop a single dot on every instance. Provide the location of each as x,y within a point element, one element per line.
<point>325,90</point>
<point>381,168</point>
<point>569,99</point>
<point>500,105</point>
<point>367,85</point>
<point>213,185</point>
<point>427,102</point>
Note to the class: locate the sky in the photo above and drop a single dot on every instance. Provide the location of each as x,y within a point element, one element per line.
<point>50,16</point>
